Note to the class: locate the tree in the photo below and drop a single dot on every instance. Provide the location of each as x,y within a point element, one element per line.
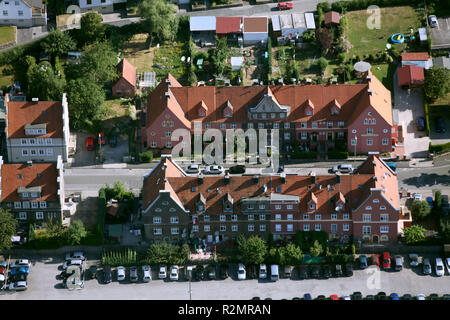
<point>414,234</point>
<point>316,249</point>
<point>85,98</point>
<point>191,76</point>
<point>44,83</point>
<point>293,254</point>
<point>159,18</point>
<point>159,253</point>
<point>8,226</point>
<point>98,62</point>
<point>275,256</point>
<point>270,241</point>
<point>323,64</point>
<point>325,37</point>
<point>220,55</point>
<point>309,36</point>
<point>92,29</point>
<point>420,209</point>
<point>58,43</point>
<point>75,233</point>
<point>252,250</point>
<point>437,83</point>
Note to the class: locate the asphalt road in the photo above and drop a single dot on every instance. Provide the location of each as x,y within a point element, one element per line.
<point>45,285</point>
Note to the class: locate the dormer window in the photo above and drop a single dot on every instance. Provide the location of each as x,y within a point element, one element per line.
<point>200,203</point>
<point>312,206</point>
<point>228,110</point>
<point>35,129</point>
<point>202,109</point>
<point>228,203</point>
<point>29,192</point>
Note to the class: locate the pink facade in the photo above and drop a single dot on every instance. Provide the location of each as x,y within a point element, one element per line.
<point>122,88</point>
<point>157,134</point>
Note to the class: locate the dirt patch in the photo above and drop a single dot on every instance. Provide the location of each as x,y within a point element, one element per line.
<point>139,54</point>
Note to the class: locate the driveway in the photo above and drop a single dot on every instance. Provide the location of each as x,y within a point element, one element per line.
<point>441,34</point>
<point>25,35</point>
<point>115,155</point>
<point>82,156</point>
<point>439,138</point>
<point>410,106</point>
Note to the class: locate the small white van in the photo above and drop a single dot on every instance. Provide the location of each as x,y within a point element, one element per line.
<point>274,275</point>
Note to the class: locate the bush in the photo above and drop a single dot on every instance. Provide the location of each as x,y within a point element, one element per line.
<point>439,148</point>
<point>323,64</point>
<point>146,156</point>
<point>337,154</point>
<point>341,57</point>
<point>324,6</point>
<point>123,257</point>
<point>309,36</point>
<point>427,116</point>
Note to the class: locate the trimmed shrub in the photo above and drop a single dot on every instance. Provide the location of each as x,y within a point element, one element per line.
<point>323,64</point>
<point>439,148</point>
<point>146,156</point>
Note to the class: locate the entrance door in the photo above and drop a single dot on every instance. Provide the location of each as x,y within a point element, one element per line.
<point>375,239</point>
<point>210,238</point>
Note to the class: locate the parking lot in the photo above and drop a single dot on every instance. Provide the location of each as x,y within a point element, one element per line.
<point>441,34</point>
<point>44,284</point>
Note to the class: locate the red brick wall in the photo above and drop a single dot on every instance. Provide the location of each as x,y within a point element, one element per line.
<point>156,132</point>
<point>123,86</point>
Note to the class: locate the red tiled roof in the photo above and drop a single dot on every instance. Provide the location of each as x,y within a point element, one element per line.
<point>21,113</point>
<point>331,17</point>
<point>11,182</point>
<point>127,71</point>
<point>255,24</point>
<point>226,25</point>
<point>415,56</point>
<point>410,75</point>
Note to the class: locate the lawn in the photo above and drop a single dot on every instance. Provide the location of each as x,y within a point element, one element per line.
<point>6,78</point>
<point>7,34</point>
<point>305,58</point>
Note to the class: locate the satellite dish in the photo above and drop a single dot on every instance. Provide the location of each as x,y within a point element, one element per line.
<point>183,58</point>
<point>189,59</point>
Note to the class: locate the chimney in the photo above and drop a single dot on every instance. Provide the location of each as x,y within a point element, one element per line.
<point>309,81</point>
<point>313,177</point>
<point>338,179</point>
<point>218,191</point>
<point>167,95</point>
<point>369,92</point>
<point>255,179</point>
<point>168,82</point>
<point>164,167</point>
<point>200,178</point>
<point>283,177</point>
<point>264,188</point>
<point>29,163</point>
<point>35,100</point>
<point>227,178</point>
<point>368,78</point>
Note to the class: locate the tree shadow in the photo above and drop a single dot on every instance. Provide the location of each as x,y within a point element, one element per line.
<point>428,180</point>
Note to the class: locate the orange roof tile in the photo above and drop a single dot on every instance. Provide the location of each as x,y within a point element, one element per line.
<point>127,71</point>
<point>415,56</point>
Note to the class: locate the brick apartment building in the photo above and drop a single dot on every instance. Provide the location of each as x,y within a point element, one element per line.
<point>318,117</point>
<point>365,204</point>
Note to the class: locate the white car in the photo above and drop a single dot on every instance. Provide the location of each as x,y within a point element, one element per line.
<point>174,273</point>
<point>214,169</point>
<point>420,296</point>
<point>417,196</point>
<point>347,297</point>
<point>413,259</point>
<point>18,286</point>
<point>241,272</point>
<point>78,255</point>
<point>162,272</point>
<point>21,263</point>
<point>439,267</point>
<point>120,273</point>
<point>447,265</point>
<point>262,271</point>
<point>147,273</point>
<point>193,168</point>
<point>433,21</point>
<point>75,262</point>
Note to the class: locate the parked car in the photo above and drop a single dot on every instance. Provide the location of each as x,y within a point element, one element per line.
<point>334,297</point>
<point>133,274</point>
<point>120,273</point>
<point>20,270</point>
<point>326,274</point>
<point>274,273</point>
<point>363,262</point>
<point>241,272</point>
<point>357,295</point>
<point>101,139</point>
<point>349,270</point>
<point>174,273</point>
<point>417,197</point>
<point>77,255</point>
<point>262,271</point>
<point>107,275</point>
<point>338,271</point>
<point>199,273</point>
<point>386,260</point>
<point>426,266</point>
<point>433,21</point>
<point>321,297</point>
<point>214,169</point>
<point>238,169</point>
<point>413,259</point>
<point>307,296</point>
<point>370,297</point>
<point>374,260</point>
<point>21,263</point>
<point>18,286</point>
<point>440,125</point>
<point>93,272</point>
<point>192,168</point>
<point>162,272</point>
<point>394,296</point>
<point>406,296</point>
<point>447,265</point>
<point>288,271</point>
<point>90,143</point>
<point>433,296</point>
<point>303,273</point>
<point>398,263</point>
<point>146,273</point>
<point>112,141</point>
<point>343,168</point>
<point>315,272</point>
<point>446,297</point>
<point>223,271</point>
<point>420,124</point>
<point>211,270</point>
<point>392,166</point>
<point>285,5</point>
<point>382,296</point>
<point>346,297</point>
<point>74,262</point>
<point>439,267</point>
<point>420,296</point>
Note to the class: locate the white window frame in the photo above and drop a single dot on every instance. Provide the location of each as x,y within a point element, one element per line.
<point>175,230</point>
<point>42,204</point>
<point>223,228</point>
<point>262,217</point>
<point>318,227</point>
<point>384,217</point>
<point>278,217</point>
<point>384,229</point>
<point>223,218</point>
<point>251,227</point>
<point>157,231</point>
<point>262,228</point>
<point>335,227</point>
<point>369,142</point>
<point>17,205</point>
<point>318,216</point>
<point>206,228</point>
<point>22,216</point>
<point>334,216</point>
<point>206,218</point>
<point>289,207</point>
<point>346,216</point>
<point>367,217</point>
<point>157,220</point>
<point>290,216</point>
<point>195,228</point>
<point>278,207</point>
<point>306,227</point>
<point>251,217</point>
<point>366,230</point>
<point>346,227</point>
<point>234,228</point>
<point>385,141</point>
<point>278,228</point>
<point>290,227</point>
<point>25,205</point>
<point>39,215</point>
<point>174,219</point>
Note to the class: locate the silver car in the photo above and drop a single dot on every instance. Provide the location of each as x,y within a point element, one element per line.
<point>147,273</point>
<point>133,274</point>
<point>426,266</point>
<point>433,21</point>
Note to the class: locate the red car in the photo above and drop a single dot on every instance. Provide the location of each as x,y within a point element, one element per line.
<point>101,139</point>
<point>90,143</point>
<point>375,260</point>
<point>334,297</point>
<point>386,260</point>
<point>285,5</point>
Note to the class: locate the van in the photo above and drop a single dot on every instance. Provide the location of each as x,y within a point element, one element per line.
<point>274,275</point>
<point>398,263</point>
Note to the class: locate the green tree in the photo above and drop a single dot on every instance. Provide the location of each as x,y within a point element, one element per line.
<point>220,55</point>
<point>420,209</point>
<point>293,254</point>
<point>325,37</point>
<point>85,98</point>
<point>159,253</point>
<point>58,43</point>
<point>75,233</point>
<point>414,234</point>
<point>191,76</point>
<point>316,249</point>
<point>270,241</point>
<point>44,83</point>
<point>323,64</point>
<point>159,19</point>
<point>99,62</point>
<point>253,250</point>
<point>275,256</point>
<point>8,226</point>
<point>92,29</point>
<point>437,83</point>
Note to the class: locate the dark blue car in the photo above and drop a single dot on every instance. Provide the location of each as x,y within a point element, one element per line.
<point>20,270</point>
<point>308,296</point>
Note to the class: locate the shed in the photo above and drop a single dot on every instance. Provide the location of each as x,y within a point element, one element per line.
<point>228,25</point>
<point>275,23</point>
<point>423,34</point>
<point>420,59</point>
<point>410,76</point>
<point>331,18</point>
<point>309,18</point>
<point>236,63</point>
<point>292,25</point>
<point>255,30</point>
<point>204,23</point>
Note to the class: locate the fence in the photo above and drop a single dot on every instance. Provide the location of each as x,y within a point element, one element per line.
<point>398,249</point>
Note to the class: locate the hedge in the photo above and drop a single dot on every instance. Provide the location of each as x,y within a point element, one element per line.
<point>439,148</point>
<point>304,155</point>
<point>350,5</point>
<point>101,210</point>
<point>427,116</point>
<point>337,154</point>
